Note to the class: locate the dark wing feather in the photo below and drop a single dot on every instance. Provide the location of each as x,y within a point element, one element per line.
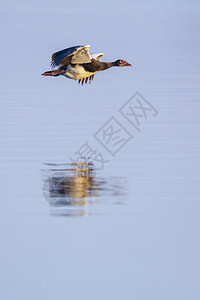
<point>85,80</point>
<point>74,55</point>
<point>66,55</point>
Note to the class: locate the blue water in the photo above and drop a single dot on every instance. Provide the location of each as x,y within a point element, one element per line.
<point>132,231</point>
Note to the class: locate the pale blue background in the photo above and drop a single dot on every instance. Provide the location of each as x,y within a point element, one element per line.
<point>147,248</point>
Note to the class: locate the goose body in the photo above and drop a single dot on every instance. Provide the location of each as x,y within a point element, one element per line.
<point>77,63</point>
<point>77,72</point>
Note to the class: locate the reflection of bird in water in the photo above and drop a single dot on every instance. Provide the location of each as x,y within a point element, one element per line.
<point>73,190</point>
<point>80,182</point>
<point>77,63</point>
<point>76,186</point>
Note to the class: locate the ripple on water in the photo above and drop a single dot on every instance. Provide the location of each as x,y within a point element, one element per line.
<point>74,189</point>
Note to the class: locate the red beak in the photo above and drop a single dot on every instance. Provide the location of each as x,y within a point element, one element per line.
<point>126,64</point>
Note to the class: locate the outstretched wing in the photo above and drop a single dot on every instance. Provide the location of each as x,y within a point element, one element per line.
<point>59,56</point>
<point>74,55</point>
<point>97,56</point>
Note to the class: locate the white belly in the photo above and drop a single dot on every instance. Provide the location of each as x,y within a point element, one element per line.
<point>77,72</point>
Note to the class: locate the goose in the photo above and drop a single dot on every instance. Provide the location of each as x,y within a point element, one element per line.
<point>78,64</point>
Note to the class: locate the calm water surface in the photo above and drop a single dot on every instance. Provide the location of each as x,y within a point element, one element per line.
<point>129,230</point>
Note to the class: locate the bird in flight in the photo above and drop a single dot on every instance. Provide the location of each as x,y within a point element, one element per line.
<point>77,63</point>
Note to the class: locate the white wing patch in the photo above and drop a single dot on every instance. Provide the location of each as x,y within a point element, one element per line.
<point>82,56</point>
<point>97,56</point>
